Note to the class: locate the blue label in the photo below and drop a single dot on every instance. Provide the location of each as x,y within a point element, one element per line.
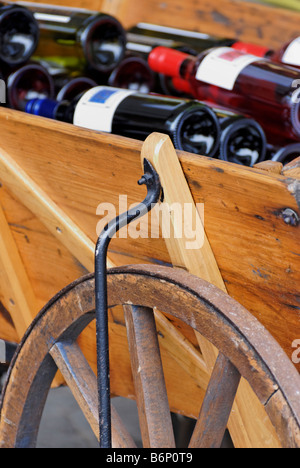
<point>102,96</point>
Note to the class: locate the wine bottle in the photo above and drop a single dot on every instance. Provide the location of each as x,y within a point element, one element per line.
<point>28,82</point>
<point>243,140</point>
<point>133,73</point>
<point>192,126</point>
<point>68,84</point>
<point>144,37</point>
<point>74,87</point>
<point>19,34</point>
<point>53,109</point>
<point>289,54</point>
<point>284,155</point>
<point>241,82</point>
<point>79,38</point>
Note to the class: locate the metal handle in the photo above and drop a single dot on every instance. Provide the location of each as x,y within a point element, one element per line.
<point>154,191</point>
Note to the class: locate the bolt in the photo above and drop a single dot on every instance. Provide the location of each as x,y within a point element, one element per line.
<point>290,217</point>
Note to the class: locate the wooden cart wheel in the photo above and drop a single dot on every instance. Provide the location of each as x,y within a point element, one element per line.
<point>246,349</point>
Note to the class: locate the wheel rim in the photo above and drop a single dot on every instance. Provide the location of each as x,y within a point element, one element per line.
<point>245,349</point>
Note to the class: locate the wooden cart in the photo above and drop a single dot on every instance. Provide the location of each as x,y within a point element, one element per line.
<point>54,176</point>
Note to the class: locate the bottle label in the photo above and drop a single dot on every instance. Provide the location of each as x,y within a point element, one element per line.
<point>292,53</point>
<point>52,18</point>
<point>222,67</point>
<point>97,107</point>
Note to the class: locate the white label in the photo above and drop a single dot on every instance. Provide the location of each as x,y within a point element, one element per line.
<point>96,109</point>
<point>49,17</point>
<point>292,53</point>
<point>222,67</point>
<point>174,31</point>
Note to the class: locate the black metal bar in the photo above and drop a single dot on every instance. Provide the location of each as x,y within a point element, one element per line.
<point>151,180</point>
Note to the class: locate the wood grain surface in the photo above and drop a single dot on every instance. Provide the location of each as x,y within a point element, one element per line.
<point>257,253</point>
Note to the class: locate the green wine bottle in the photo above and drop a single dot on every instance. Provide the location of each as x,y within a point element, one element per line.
<point>79,39</point>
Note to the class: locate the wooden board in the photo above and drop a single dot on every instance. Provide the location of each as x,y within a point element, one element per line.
<point>262,24</point>
<point>257,253</point>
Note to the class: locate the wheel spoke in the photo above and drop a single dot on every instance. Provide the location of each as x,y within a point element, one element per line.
<point>150,387</point>
<point>83,384</point>
<point>219,398</point>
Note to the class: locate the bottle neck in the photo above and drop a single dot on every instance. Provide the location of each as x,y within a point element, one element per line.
<point>103,41</point>
<point>133,73</point>
<point>52,109</point>
<point>30,81</point>
<point>242,141</point>
<point>19,35</point>
<point>169,62</point>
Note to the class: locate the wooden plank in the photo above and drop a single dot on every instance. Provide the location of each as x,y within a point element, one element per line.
<point>150,388</point>
<point>37,201</point>
<point>212,423</point>
<point>83,384</point>
<point>181,349</point>
<point>81,169</point>
<point>227,18</point>
<point>8,331</point>
<point>272,167</point>
<point>16,291</point>
<point>292,169</point>
<point>201,262</point>
<point>49,213</point>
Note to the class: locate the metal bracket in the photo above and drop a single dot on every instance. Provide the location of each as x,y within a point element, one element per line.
<point>154,191</point>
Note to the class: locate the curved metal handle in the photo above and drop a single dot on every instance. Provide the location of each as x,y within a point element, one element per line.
<point>154,191</point>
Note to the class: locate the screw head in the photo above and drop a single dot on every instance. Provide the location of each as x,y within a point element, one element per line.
<point>290,217</point>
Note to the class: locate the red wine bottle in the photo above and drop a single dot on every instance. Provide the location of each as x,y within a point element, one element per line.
<point>79,38</point>
<point>241,82</point>
<point>19,35</point>
<point>26,83</point>
<point>143,37</point>
<point>289,54</point>
<point>192,126</point>
<point>133,73</point>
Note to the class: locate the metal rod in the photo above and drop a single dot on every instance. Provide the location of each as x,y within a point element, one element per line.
<point>154,190</point>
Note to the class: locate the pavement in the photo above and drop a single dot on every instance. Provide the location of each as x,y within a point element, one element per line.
<point>64,426</point>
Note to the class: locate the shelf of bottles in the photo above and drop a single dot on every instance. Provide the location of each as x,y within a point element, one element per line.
<point>216,97</point>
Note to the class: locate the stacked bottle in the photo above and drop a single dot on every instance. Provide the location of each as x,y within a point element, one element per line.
<point>240,82</point>
<point>191,125</point>
<point>19,35</point>
<point>79,39</point>
<point>144,37</point>
<point>243,93</point>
